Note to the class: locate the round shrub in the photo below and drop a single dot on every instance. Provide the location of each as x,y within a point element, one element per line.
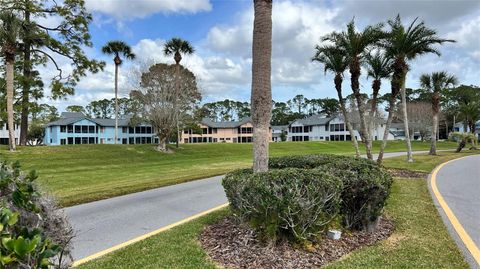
<point>366,186</point>
<point>293,203</point>
<point>34,233</point>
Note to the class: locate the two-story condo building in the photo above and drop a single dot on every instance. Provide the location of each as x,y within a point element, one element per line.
<point>77,128</point>
<point>4,134</point>
<point>220,132</point>
<point>320,128</point>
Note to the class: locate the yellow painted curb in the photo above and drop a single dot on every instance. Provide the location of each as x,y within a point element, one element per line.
<point>145,236</point>
<point>466,239</point>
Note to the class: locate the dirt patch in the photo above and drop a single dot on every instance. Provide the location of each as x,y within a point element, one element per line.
<point>235,245</point>
<point>403,173</point>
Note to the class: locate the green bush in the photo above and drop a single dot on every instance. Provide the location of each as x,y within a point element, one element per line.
<point>366,186</point>
<point>33,231</point>
<point>298,203</point>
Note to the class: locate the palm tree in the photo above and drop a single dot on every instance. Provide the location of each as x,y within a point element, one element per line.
<point>118,49</point>
<point>378,67</point>
<point>470,113</point>
<point>435,83</point>
<point>404,44</point>
<point>177,47</point>
<point>355,45</point>
<point>9,33</point>
<point>335,61</point>
<point>261,99</point>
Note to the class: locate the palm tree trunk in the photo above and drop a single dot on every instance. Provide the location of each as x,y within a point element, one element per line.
<point>391,112</point>
<point>261,98</point>
<point>405,119</point>
<point>338,87</point>
<point>10,61</point>
<point>355,74</point>
<point>177,88</point>
<point>116,103</point>
<point>435,108</point>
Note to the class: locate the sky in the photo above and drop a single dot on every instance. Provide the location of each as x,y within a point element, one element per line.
<point>221,33</point>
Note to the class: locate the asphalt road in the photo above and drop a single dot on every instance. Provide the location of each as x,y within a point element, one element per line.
<point>103,224</point>
<point>459,184</point>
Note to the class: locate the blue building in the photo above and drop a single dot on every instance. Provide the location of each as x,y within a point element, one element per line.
<point>77,128</point>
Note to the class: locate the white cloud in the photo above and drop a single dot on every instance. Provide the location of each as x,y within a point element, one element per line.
<point>129,9</point>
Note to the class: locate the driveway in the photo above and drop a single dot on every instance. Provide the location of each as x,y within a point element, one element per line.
<point>455,187</point>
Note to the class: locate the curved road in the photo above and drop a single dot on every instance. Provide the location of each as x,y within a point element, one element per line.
<point>455,187</point>
<point>107,223</point>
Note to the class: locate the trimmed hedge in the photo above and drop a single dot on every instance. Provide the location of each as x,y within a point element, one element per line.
<point>366,186</point>
<point>292,202</point>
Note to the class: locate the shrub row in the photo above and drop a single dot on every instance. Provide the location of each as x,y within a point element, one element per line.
<point>300,195</point>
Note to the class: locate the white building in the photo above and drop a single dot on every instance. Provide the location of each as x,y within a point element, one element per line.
<point>319,128</point>
<point>4,134</point>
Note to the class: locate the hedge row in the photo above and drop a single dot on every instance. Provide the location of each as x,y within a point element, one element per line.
<point>301,195</point>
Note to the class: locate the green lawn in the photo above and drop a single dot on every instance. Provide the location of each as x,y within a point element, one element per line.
<point>83,173</point>
<point>419,241</point>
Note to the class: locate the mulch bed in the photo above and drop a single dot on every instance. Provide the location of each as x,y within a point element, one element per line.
<point>235,245</point>
<point>407,173</point>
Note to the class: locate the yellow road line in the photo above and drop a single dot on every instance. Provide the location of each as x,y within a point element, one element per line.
<point>466,239</point>
<point>145,236</point>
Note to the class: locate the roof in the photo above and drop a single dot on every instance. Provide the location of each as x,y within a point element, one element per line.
<point>225,124</point>
<point>279,127</point>
<point>314,120</point>
<point>72,117</point>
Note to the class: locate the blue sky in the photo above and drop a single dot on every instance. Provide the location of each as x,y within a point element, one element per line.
<point>221,33</point>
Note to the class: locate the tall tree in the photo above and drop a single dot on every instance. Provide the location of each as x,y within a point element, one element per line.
<point>329,106</point>
<point>355,46</point>
<point>261,99</point>
<point>9,34</point>
<point>44,43</point>
<point>75,108</point>
<point>379,67</point>
<point>177,47</point>
<point>436,83</point>
<point>158,96</point>
<point>118,49</point>
<point>336,62</point>
<point>404,44</point>
<point>470,113</point>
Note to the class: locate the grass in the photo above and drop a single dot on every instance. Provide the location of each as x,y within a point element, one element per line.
<point>419,241</point>
<point>84,173</point>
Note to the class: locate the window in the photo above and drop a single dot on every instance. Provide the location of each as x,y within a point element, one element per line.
<point>326,127</point>
<point>137,140</point>
<point>124,141</point>
<point>84,140</point>
<point>228,138</point>
<point>185,131</point>
<point>306,138</point>
<point>91,140</point>
<point>63,129</point>
<point>124,130</point>
<point>138,130</point>
<point>78,129</point>
<point>131,131</point>
<point>131,140</point>
<point>63,141</point>
<point>204,131</point>
<point>91,129</point>
<point>70,140</point>
<point>245,130</point>
<point>297,129</point>
<point>149,140</point>
<point>149,130</point>
<point>214,130</point>
<point>78,140</point>
<point>85,129</point>
<point>185,140</point>
<point>69,129</point>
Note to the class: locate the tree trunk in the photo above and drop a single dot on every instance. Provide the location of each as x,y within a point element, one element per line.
<point>435,110</point>
<point>261,99</point>
<point>27,66</point>
<point>116,103</point>
<point>405,119</point>
<point>338,87</point>
<point>396,85</point>
<point>177,89</point>
<point>355,74</point>
<point>162,144</point>
<point>10,61</point>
